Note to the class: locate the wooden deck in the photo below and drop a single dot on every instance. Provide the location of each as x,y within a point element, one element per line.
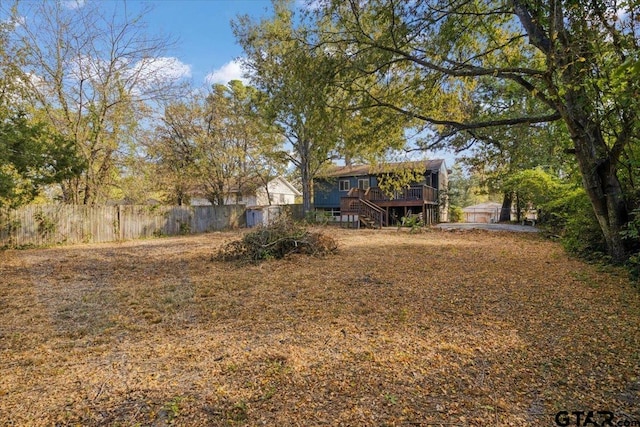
<point>372,205</point>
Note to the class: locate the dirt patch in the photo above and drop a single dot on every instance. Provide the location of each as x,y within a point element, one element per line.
<point>472,328</point>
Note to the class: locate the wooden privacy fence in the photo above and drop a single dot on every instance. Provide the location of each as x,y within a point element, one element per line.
<point>51,224</point>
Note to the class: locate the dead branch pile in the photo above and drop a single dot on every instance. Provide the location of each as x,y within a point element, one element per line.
<point>275,241</point>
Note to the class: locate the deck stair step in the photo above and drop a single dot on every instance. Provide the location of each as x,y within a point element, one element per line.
<point>368,222</point>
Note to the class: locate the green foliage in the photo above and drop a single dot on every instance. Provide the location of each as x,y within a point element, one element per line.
<point>306,98</point>
<point>631,235</point>
<point>185,227</point>
<point>216,142</point>
<point>92,75</point>
<point>455,213</point>
<point>532,188</point>
<point>464,189</point>
<point>8,227</point>
<point>516,67</point>
<point>565,211</point>
<point>317,217</point>
<point>632,231</point>
<point>46,225</point>
<point>172,409</point>
<point>295,82</point>
<point>571,217</point>
<point>32,157</point>
<point>414,222</point>
<point>397,177</point>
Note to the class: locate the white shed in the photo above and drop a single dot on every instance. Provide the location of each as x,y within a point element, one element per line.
<point>488,212</point>
<point>277,192</point>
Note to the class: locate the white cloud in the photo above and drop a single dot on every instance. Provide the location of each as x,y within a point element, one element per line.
<point>148,74</point>
<point>14,22</point>
<point>162,68</point>
<point>229,71</point>
<point>73,4</point>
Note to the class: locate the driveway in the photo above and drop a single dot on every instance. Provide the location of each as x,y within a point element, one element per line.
<point>492,227</point>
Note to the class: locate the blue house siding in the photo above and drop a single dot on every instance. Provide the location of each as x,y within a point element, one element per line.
<point>327,193</point>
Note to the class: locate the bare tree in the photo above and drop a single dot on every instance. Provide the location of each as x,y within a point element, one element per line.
<point>94,75</point>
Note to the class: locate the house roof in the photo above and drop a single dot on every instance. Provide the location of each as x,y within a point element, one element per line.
<point>253,184</point>
<point>487,206</point>
<point>361,170</point>
<point>293,189</point>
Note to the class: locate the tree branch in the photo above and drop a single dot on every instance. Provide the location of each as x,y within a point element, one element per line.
<point>467,126</point>
<point>536,34</point>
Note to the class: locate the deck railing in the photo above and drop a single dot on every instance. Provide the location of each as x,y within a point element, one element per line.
<point>375,194</point>
<point>375,213</point>
<point>414,192</point>
<point>349,204</point>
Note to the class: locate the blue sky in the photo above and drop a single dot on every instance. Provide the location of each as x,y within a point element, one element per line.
<point>205,41</point>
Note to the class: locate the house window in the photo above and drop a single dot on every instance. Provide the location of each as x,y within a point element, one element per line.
<point>363,184</point>
<point>344,185</point>
<point>283,199</point>
<point>427,179</point>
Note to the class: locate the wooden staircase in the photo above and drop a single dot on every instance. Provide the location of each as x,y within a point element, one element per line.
<point>369,214</point>
<point>368,222</point>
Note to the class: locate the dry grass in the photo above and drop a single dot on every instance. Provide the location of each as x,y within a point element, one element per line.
<point>467,328</point>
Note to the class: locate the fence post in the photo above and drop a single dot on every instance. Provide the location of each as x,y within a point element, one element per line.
<point>118,224</point>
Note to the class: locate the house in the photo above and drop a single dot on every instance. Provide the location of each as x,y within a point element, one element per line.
<point>351,194</point>
<point>278,191</point>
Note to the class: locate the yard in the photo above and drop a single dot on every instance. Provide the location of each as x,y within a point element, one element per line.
<point>469,328</point>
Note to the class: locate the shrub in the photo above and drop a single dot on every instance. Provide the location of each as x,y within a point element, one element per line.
<point>632,238</point>
<point>317,217</point>
<point>571,217</point>
<point>455,214</point>
<point>277,240</point>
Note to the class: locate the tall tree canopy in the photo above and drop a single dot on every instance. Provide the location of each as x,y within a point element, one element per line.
<point>214,143</point>
<point>575,61</point>
<point>317,118</point>
<point>295,81</point>
<point>32,158</point>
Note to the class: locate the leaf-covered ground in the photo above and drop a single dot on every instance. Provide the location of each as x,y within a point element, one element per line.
<point>438,328</point>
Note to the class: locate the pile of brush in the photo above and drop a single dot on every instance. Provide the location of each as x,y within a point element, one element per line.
<point>277,240</point>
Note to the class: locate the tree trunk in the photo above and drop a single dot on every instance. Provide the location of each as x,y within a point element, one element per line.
<point>603,188</point>
<point>598,166</point>
<point>88,193</point>
<point>268,193</point>
<point>598,169</point>
<point>505,212</point>
<point>305,175</point>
